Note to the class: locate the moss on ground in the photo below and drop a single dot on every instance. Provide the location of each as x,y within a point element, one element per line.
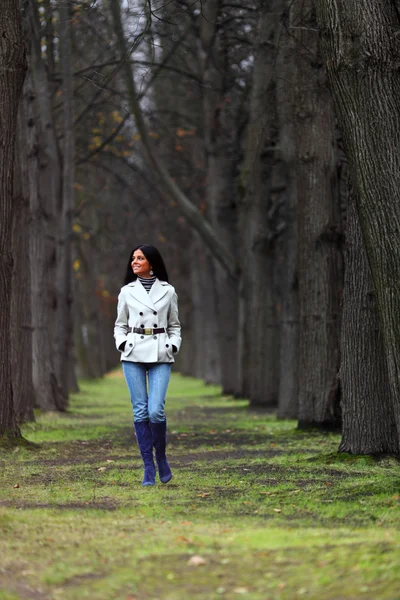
<point>256,509</point>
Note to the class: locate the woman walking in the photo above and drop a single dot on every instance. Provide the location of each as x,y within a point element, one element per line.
<point>147,332</point>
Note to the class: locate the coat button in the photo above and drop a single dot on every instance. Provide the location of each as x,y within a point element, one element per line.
<point>142,326</point>
<point>142,337</point>
<point>167,345</point>
<point>154,312</point>
<point>155,324</point>
<point>141,314</point>
<point>130,344</point>
<point>155,337</point>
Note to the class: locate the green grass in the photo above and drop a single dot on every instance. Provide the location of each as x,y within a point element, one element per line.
<point>274,513</point>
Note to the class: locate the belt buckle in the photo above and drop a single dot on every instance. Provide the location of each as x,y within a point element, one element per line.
<point>148,331</point>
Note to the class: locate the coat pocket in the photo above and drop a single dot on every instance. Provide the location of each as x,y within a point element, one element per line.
<point>130,344</point>
<point>168,349</point>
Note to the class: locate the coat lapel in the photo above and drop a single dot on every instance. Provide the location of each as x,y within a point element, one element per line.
<point>158,290</point>
<point>140,294</point>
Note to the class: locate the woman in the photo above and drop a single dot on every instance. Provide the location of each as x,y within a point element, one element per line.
<point>148,333</point>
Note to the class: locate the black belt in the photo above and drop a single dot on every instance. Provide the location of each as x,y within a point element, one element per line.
<point>148,330</point>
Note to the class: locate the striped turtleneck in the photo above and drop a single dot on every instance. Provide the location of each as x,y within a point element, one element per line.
<point>147,282</point>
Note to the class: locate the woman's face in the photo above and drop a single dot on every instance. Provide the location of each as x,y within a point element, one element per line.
<point>140,264</point>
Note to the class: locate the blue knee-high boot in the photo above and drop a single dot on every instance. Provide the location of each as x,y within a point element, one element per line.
<point>145,442</point>
<point>159,431</point>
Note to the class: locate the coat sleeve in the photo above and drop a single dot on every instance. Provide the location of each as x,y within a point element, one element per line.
<point>121,324</point>
<point>174,326</point>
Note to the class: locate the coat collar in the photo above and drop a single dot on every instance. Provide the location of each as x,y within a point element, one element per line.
<point>158,290</point>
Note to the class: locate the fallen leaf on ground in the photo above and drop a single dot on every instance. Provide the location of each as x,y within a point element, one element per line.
<point>277,509</point>
<point>182,538</point>
<point>204,494</point>
<point>240,590</point>
<point>196,561</point>
<point>101,469</point>
<point>109,460</point>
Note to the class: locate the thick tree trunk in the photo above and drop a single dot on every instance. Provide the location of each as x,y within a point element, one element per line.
<point>259,344</point>
<point>21,328</point>
<point>289,318</point>
<point>47,391</point>
<point>369,426</point>
<point>361,49</point>
<point>220,184</point>
<point>44,181</point>
<point>318,230</point>
<point>64,363</point>
<point>12,73</point>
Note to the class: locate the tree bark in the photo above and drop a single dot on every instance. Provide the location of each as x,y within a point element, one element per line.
<point>259,339</point>
<point>64,363</point>
<point>221,162</point>
<point>21,326</point>
<point>12,73</point>
<point>369,425</point>
<point>287,260</point>
<point>44,181</point>
<point>361,49</point>
<point>318,230</point>
<point>205,322</point>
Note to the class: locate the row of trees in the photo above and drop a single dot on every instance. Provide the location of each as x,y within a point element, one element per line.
<point>208,129</point>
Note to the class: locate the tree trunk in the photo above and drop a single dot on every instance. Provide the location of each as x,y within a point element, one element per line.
<point>318,230</point>
<point>64,363</point>
<point>44,182</point>
<point>204,315</point>
<point>220,185</point>
<point>369,426</point>
<point>21,327</point>
<point>259,344</point>
<point>12,73</point>
<point>288,405</point>
<point>361,48</point>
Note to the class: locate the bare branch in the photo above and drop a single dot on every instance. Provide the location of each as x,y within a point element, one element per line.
<point>189,210</point>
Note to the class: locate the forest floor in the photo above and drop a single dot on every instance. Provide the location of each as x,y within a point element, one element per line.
<point>256,509</point>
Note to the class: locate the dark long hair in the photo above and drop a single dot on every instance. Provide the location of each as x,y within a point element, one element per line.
<point>155,259</point>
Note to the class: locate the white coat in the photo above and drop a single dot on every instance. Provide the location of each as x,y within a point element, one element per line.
<point>154,309</point>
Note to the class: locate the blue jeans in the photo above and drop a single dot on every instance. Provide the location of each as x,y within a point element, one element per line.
<point>147,404</point>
